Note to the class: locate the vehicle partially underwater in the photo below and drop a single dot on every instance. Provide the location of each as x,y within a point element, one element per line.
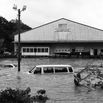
<point>8,65</point>
<point>91,76</point>
<point>52,69</point>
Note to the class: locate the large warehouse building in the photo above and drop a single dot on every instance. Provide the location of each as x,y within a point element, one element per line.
<point>61,37</point>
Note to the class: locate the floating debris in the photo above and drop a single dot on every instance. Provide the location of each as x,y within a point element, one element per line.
<point>90,76</point>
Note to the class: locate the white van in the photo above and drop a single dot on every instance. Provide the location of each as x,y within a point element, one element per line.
<point>51,69</point>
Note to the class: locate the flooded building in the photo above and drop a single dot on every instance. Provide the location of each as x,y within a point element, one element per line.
<point>61,37</point>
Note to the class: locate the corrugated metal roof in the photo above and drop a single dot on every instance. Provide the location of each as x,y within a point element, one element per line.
<point>53,33</point>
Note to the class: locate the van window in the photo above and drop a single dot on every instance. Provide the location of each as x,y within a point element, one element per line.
<point>60,69</point>
<point>48,70</point>
<point>70,69</point>
<point>37,70</point>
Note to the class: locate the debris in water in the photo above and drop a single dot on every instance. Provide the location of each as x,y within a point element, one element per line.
<point>90,77</point>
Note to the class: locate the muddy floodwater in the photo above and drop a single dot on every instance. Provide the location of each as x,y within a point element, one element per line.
<point>60,88</point>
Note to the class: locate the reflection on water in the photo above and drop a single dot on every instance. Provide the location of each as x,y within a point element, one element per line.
<point>60,88</point>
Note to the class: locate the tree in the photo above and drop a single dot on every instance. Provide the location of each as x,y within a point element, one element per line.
<point>3,26</point>
<point>7,31</point>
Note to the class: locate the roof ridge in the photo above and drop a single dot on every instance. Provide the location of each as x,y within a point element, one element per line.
<point>67,20</point>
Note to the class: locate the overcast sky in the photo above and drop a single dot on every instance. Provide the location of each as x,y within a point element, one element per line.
<point>38,12</point>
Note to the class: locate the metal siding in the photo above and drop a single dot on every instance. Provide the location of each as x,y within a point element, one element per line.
<point>77,32</point>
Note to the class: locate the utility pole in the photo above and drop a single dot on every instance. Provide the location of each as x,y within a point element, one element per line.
<point>19,27</point>
<point>19,47</point>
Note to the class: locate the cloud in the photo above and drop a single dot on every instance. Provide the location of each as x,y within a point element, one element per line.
<point>39,12</point>
<point>84,11</point>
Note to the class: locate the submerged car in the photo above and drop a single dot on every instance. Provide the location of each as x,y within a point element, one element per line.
<point>8,65</point>
<point>90,76</point>
<point>51,69</point>
<point>6,53</point>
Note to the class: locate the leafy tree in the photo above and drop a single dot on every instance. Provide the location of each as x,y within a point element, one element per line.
<point>7,31</point>
<point>3,27</point>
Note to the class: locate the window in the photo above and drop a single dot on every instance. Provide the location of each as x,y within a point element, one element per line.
<point>39,50</point>
<point>62,26</point>
<point>42,50</point>
<point>24,49</point>
<point>70,69</point>
<point>35,49</point>
<point>86,50</point>
<point>37,70</point>
<point>46,49</point>
<point>27,49</point>
<point>48,70</point>
<point>60,69</point>
<point>79,49</point>
<point>31,49</point>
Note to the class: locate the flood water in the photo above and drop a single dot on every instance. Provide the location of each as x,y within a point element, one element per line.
<point>59,88</point>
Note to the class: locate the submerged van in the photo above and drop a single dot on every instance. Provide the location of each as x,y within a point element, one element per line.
<point>51,69</point>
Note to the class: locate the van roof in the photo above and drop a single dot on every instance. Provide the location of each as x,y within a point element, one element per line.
<point>53,65</point>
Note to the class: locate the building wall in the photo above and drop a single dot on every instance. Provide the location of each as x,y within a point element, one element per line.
<point>63,37</point>
<point>79,47</point>
<point>92,49</point>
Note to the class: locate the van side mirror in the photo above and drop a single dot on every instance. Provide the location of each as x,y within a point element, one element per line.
<point>29,71</point>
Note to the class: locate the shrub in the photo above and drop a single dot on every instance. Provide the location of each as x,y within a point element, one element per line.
<point>21,96</point>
